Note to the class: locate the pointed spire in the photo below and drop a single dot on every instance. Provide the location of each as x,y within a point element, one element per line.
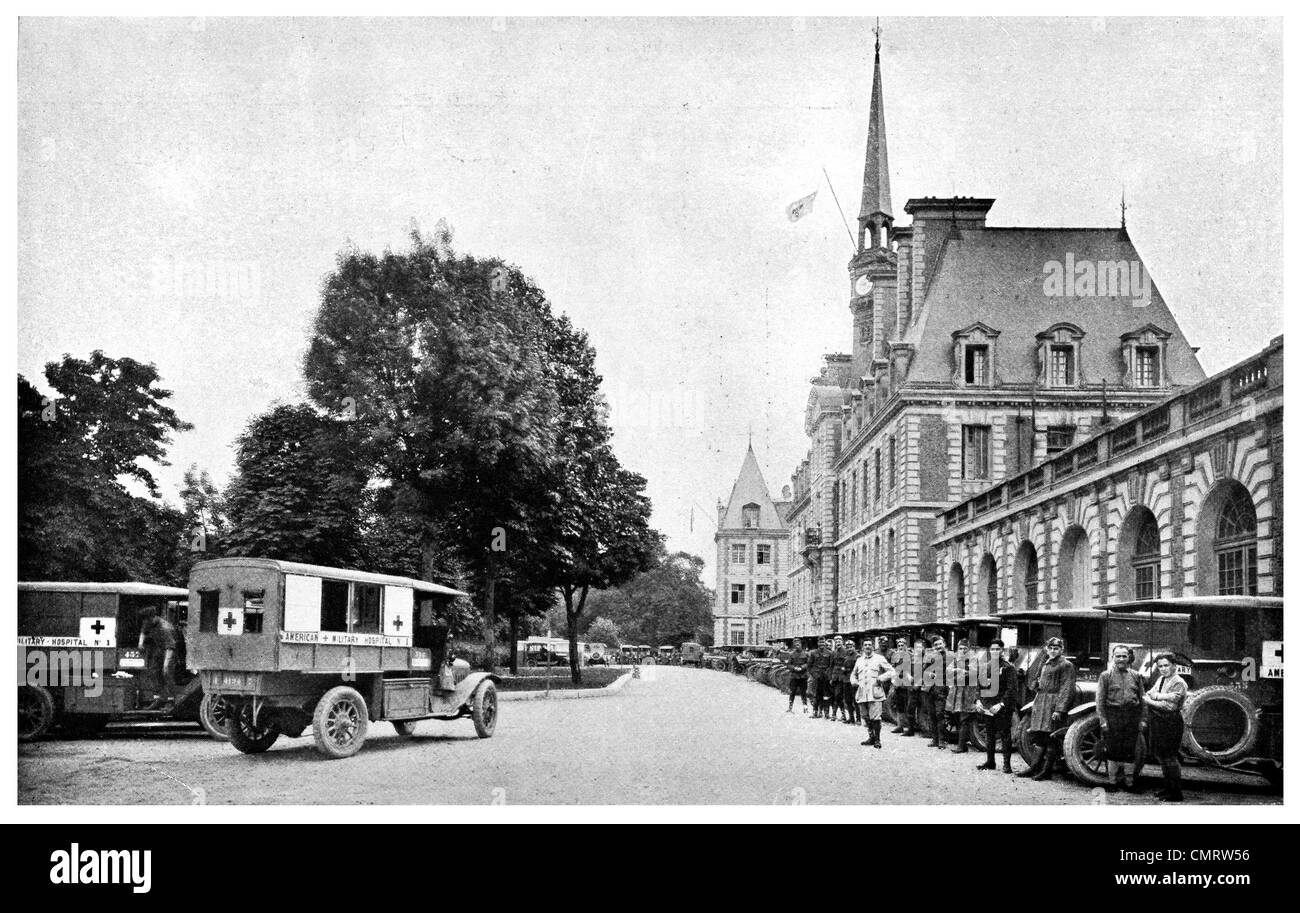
<point>876,206</point>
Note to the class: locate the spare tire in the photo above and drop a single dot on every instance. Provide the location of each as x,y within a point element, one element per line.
<point>1221,725</point>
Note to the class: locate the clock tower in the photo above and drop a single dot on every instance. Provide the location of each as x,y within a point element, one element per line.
<point>873,271</point>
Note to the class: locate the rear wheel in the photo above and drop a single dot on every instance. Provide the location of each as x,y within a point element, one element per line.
<point>214,716</point>
<point>1029,752</point>
<point>340,722</point>
<point>483,709</point>
<point>248,736</point>
<point>35,712</point>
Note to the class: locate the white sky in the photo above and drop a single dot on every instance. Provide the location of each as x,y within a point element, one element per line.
<point>638,170</point>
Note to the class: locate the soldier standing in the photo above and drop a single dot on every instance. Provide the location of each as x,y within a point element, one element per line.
<point>997,701</point>
<point>848,658</point>
<point>870,673</point>
<point>819,673</point>
<point>1051,676</point>
<point>963,692</point>
<point>158,643</point>
<point>797,662</point>
<point>1164,701</point>
<point>934,688</point>
<point>901,692</point>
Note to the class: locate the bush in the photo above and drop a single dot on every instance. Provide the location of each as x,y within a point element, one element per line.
<point>535,679</point>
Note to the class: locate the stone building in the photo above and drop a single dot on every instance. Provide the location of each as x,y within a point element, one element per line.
<point>1183,499</point>
<point>753,555</point>
<point>977,352</point>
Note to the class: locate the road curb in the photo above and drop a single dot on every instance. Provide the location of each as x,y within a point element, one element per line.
<point>570,694</point>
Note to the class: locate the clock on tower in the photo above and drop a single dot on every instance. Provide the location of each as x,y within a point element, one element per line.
<point>862,286</point>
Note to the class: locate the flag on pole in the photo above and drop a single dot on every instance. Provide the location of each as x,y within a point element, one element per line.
<point>801,207</point>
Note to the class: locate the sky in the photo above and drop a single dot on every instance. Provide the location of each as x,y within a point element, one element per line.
<point>185,185</point>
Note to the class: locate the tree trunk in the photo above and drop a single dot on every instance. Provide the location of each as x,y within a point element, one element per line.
<point>490,618</point>
<point>571,616</point>
<point>514,641</point>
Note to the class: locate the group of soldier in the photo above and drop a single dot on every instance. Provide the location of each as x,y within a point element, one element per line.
<point>924,681</point>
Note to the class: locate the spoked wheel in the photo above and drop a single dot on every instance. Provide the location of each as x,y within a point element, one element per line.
<point>214,716</point>
<point>1085,752</point>
<point>35,712</point>
<point>248,736</point>
<point>483,709</point>
<point>1029,752</point>
<point>340,722</point>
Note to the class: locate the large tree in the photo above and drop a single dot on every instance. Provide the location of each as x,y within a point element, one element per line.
<point>439,359</point>
<point>88,506</point>
<point>666,605</point>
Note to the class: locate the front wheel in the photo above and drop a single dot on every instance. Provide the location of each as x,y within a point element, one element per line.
<point>1029,752</point>
<point>340,722</point>
<point>35,712</point>
<point>214,716</point>
<point>483,709</point>
<point>248,736</point>
<point>1085,752</point>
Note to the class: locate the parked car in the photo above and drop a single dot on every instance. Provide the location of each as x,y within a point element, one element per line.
<point>692,654</point>
<point>666,656</point>
<point>302,646</point>
<point>96,627</point>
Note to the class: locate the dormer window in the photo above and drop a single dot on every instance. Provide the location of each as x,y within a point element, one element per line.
<point>1144,357</point>
<point>1059,348</point>
<point>749,514</point>
<point>973,355</point>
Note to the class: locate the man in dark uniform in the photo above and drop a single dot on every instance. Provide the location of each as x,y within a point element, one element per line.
<point>1051,678</point>
<point>819,677</point>
<point>797,662</point>
<point>997,704</point>
<point>848,657</point>
<point>935,689</point>
<point>158,643</point>
<point>903,694</point>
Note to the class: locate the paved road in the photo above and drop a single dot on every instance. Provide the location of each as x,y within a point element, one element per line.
<point>684,736</point>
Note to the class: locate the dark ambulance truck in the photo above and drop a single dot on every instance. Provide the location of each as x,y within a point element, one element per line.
<point>295,646</point>
<point>80,665</point>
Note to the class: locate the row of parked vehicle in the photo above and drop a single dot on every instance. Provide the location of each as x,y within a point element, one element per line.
<point>1228,649</point>
<point>264,648</point>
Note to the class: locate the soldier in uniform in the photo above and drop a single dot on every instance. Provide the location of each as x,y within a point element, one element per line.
<point>1051,677</point>
<point>158,643</point>
<point>819,675</point>
<point>997,702</point>
<point>835,688</point>
<point>870,673</point>
<point>848,657</point>
<point>797,662</point>
<point>1164,703</point>
<point>963,692</point>
<point>934,689</point>
<point>902,694</point>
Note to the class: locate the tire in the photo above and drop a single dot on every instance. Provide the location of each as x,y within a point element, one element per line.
<point>405,728</point>
<point>339,722</point>
<point>214,716</point>
<point>247,737</point>
<point>1220,725</point>
<point>1085,755</point>
<point>483,709</point>
<point>35,712</point>
<point>979,733</point>
<point>1029,752</point>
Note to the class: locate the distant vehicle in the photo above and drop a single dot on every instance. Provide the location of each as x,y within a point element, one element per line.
<point>692,654</point>
<point>598,655</point>
<point>97,625</point>
<point>297,646</point>
<point>666,656</point>
<point>645,654</point>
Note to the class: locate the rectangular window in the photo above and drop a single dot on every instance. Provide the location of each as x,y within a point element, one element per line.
<point>977,365</point>
<point>1238,571</point>
<point>1148,366</point>
<point>1061,367</point>
<point>737,637</point>
<point>893,464</point>
<point>877,461</point>
<point>1146,584</point>
<point>334,605</point>
<point>975,451</point>
<point>208,608</point>
<point>763,554</point>
<point>762,591</point>
<point>737,553</point>
<point>737,594</point>
<point>1059,437</point>
<point>365,608</point>
<point>254,610</point>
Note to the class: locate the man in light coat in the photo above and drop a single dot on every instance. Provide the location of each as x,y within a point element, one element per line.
<point>869,675</point>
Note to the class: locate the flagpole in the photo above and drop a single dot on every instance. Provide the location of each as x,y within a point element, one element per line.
<point>834,196</point>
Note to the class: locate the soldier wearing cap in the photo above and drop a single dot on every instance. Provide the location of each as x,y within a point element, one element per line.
<point>1051,678</point>
<point>870,673</point>
<point>963,692</point>
<point>848,658</point>
<point>797,662</point>
<point>997,702</point>
<point>903,695</point>
<point>819,675</point>
<point>934,689</point>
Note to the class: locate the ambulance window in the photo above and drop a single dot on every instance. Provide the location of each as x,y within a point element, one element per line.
<point>333,605</point>
<point>365,612</point>
<point>208,607</point>
<point>254,610</point>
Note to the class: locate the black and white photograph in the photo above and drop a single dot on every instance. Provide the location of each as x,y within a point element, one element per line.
<point>786,413</point>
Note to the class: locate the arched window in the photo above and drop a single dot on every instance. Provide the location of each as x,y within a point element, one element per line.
<point>1235,547</point>
<point>1026,577</point>
<point>749,515</point>
<point>1074,570</point>
<point>1146,559</point>
<point>956,591</point>
<point>989,585</point>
